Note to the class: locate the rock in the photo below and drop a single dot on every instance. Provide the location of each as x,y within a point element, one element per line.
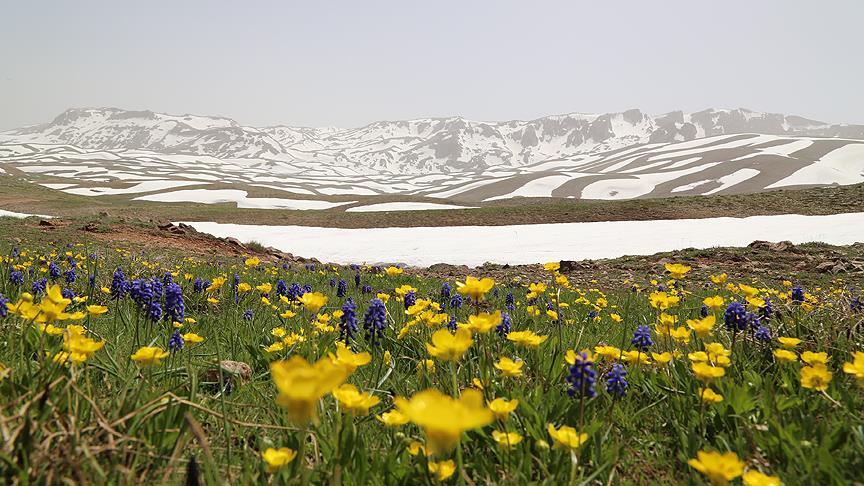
<point>767,245</point>
<point>45,222</point>
<point>234,373</point>
<point>91,227</point>
<point>235,242</point>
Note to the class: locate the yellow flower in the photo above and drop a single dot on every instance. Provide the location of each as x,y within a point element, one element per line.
<point>192,338</point>
<point>856,367</point>
<point>243,287</point>
<point>416,447</point>
<point>663,300</point>
<point>387,356</point>
<point>442,470</point>
<point>662,359</point>
<point>506,440</point>
<point>812,358</point>
<point>710,396</point>
<point>278,458</point>
<point>526,338</point>
<point>610,353</point>
<point>566,437</point>
<point>677,270</point>
<point>426,365</point>
<point>785,356</point>
<point>714,303</point>
<point>394,271</point>
<point>353,400</point>
<point>313,301</point>
<point>816,377</point>
<point>718,468</point>
<point>264,288</point>
<point>345,357</point>
<point>552,266</point>
<point>443,418</point>
<point>635,357</point>
<point>552,315</point>
<point>252,262</point>
<point>278,332</point>
<point>475,288</point>
<point>789,342</point>
<point>450,347</point>
<point>288,314</point>
<point>719,279</point>
<point>217,283</point>
<point>96,310</point>
<point>149,356</point>
<point>275,347</point>
<point>393,418</point>
<point>616,317</point>
<point>508,367</point>
<point>680,334</point>
<point>4,372</point>
<point>78,346</point>
<point>301,384</point>
<point>705,372</point>
<point>703,326</point>
<point>483,322</point>
<point>756,478</point>
<point>502,408</point>
<point>383,297</point>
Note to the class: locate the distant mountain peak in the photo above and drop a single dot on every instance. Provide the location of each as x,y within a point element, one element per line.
<point>441,144</point>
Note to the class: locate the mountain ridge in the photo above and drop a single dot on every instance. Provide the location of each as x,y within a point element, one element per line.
<point>439,144</point>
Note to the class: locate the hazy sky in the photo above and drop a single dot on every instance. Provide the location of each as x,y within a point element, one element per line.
<point>347,63</point>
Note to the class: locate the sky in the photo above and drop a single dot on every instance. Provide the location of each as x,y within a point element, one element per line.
<point>348,63</point>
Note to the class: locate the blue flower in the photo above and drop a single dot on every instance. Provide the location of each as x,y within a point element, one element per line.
<point>53,270</point>
<point>154,311</point>
<point>410,299</point>
<point>38,286</point>
<point>176,341</point>
<point>332,283</point>
<point>342,288</point>
<point>763,334</point>
<point>582,377</point>
<point>67,294</point>
<point>3,308</point>
<point>367,289</point>
<point>735,317</point>
<point>797,294</point>
<point>248,315</point>
<point>642,338</point>
<point>16,277</point>
<point>357,279</point>
<point>348,321</point>
<point>118,285</point>
<point>452,325</point>
<point>141,292</point>
<point>198,285</point>
<point>703,311</point>
<point>375,321</point>
<point>281,287</point>
<point>766,311</point>
<point>503,329</point>
<point>456,301</point>
<point>295,291</point>
<point>616,384</point>
<point>510,301</point>
<point>175,307</point>
<point>71,276</point>
<point>446,291</point>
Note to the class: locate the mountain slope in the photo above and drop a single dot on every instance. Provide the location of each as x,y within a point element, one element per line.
<point>413,146</point>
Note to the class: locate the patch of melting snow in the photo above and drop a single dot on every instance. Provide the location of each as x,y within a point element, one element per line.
<point>215,196</point>
<point>403,206</point>
<point>524,244</point>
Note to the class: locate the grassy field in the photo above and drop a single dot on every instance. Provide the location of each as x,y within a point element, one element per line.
<point>19,195</point>
<point>87,405</point>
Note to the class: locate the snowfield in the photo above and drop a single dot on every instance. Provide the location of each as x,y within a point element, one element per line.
<point>525,244</point>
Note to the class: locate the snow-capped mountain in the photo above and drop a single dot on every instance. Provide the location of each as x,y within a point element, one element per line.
<point>155,157</point>
<point>408,147</point>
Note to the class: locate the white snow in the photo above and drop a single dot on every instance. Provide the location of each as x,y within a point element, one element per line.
<point>474,245</point>
<point>540,187</point>
<point>402,206</point>
<point>12,214</point>
<point>844,165</point>
<point>732,179</point>
<point>146,186</point>
<point>50,185</point>
<point>639,185</point>
<point>215,196</point>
